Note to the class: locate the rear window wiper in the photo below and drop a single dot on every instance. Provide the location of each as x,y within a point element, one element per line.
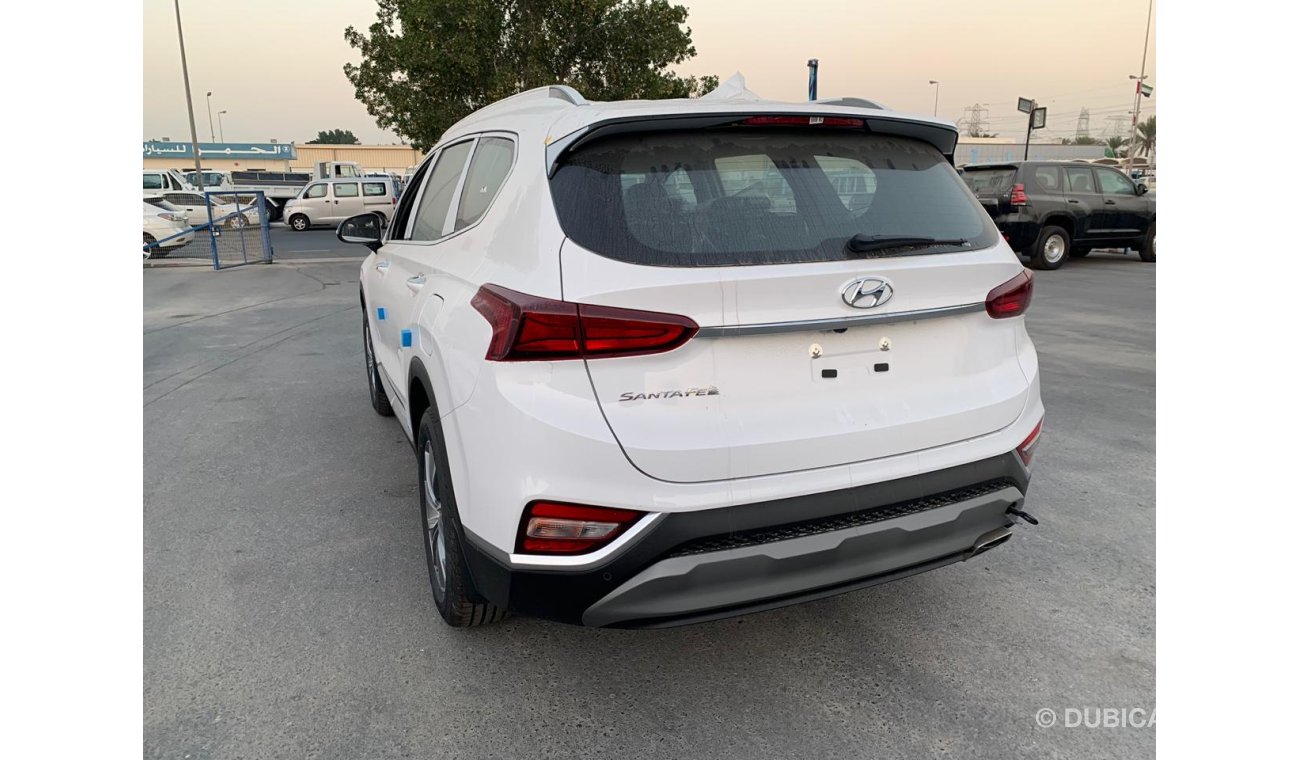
<point>877,243</point>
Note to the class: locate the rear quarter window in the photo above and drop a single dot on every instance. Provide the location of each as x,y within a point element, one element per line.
<point>744,196</point>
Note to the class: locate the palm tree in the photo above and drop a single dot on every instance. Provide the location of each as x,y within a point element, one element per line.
<point>1116,145</point>
<point>1146,138</point>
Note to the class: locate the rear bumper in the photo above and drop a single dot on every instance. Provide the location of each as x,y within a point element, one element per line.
<point>705,565</point>
<point>1019,230</point>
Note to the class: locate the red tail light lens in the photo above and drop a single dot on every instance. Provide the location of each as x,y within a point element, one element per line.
<point>1011,298</point>
<point>1018,197</point>
<point>529,328</point>
<point>801,121</point>
<point>1026,449</point>
<point>555,528</point>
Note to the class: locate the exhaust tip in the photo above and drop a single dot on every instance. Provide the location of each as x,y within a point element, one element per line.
<point>993,538</point>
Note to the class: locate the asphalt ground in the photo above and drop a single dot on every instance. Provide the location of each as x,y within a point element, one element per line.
<point>288,613</point>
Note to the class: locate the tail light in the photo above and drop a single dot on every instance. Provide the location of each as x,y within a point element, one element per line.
<point>554,528</point>
<point>1026,449</point>
<point>1011,298</point>
<point>1018,197</point>
<point>528,328</point>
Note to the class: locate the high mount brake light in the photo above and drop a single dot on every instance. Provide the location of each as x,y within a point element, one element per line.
<point>1011,298</point>
<point>531,328</point>
<point>801,121</point>
<point>555,528</point>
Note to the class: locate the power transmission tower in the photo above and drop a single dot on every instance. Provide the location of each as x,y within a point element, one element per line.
<point>972,120</point>
<point>1115,125</point>
<point>1081,128</point>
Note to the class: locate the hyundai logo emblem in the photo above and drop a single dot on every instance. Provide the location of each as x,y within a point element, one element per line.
<point>867,292</point>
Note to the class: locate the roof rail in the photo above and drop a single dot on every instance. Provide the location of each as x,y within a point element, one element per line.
<point>565,92</point>
<point>853,102</point>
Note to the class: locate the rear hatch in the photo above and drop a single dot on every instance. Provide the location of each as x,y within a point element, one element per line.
<point>992,186</point>
<point>744,230</point>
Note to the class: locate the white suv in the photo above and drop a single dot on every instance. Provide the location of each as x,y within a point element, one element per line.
<point>660,366</point>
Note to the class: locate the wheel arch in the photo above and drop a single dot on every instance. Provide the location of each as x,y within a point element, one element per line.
<point>1064,221</point>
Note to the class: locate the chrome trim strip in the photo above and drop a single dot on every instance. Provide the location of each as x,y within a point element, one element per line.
<point>584,561</point>
<point>838,323</point>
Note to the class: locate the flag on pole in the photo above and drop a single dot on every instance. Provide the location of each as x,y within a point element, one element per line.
<point>1145,89</point>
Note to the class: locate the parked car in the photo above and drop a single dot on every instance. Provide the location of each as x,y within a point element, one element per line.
<point>641,393</point>
<point>328,202</point>
<point>1049,210</point>
<point>224,209</point>
<point>167,228</point>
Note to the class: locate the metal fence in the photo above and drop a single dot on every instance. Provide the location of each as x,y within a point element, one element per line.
<point>228,229</point>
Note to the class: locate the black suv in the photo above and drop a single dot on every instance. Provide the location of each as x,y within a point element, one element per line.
<point>1048,209</point>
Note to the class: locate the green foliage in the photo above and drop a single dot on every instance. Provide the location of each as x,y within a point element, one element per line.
<point>425,64</point>
<point>1116,147</point>
<point>335,137</point>
<point>1146,138</point>
<point>1081,140</point>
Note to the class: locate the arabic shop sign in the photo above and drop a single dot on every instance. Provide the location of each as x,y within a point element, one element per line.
<point>157,149</point>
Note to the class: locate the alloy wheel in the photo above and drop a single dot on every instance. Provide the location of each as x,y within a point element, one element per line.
<point>433,521</point>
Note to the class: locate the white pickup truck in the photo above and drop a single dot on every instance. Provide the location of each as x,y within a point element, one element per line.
<point>278,187</point>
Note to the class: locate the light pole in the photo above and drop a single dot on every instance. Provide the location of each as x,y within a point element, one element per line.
<point>1137,97</point>
<point>212,134</point>
<point>936,98</point>
<point>189,101</point>
<point>221,125</point>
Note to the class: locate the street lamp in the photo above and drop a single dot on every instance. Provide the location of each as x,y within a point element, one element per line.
<point>936,97</point>
<point>221,125</point>
<point>211,134</point>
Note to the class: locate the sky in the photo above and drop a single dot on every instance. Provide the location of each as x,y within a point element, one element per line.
<point>276,68</point>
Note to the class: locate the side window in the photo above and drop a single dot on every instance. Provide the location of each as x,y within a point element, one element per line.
<point>345,171</point>
<point>1080,179</point>
<point>854,183</point>
<point>153,182</point>
<point>430,219</point>
<point>345,190</point>
<point>1113,183</point>
<point>372,188</point>
<point>406,204</point>
<point>487,172</point>
<point>1048,178</point>
<point>315,191</point>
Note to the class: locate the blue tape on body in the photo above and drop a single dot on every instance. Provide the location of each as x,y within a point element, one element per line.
<point>382,314</point>
<point>406,339</point>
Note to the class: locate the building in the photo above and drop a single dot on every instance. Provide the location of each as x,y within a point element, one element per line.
<point>276,156</point>
<point>983,150</point>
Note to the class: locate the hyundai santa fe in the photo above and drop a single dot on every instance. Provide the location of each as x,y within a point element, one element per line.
<point>671,361</point>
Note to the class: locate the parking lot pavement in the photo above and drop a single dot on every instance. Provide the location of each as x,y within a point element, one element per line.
<point>288,613</point>
<point>317,243</point>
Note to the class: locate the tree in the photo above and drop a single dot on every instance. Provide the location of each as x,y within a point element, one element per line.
<point>425,64</point>
<point>335,137</point>
<point>1081,140</point>
<point>1115,147</point>
<point>1146,138</point>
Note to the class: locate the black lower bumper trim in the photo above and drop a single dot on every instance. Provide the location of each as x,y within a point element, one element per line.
<point>564,595</point>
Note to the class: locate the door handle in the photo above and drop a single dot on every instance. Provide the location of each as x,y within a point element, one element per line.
<point>382,267</point>
<point>416,282</point>
<point>1110,203</point>
<point>1072,200</point>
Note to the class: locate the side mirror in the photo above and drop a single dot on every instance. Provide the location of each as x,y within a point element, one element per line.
<point>365,229</point>
<point>1142,189</point>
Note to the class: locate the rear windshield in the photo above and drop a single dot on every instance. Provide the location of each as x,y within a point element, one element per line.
<point>988,180</point>
<point>756,196</point>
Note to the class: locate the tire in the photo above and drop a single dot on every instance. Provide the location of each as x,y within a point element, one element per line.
<point>238,222</point>
<point>149,240</point>
<point>1050,249</point>
<point>378,397</point>
<point>299,223</point>
<point>1148,250</point>
<point>453,591</point>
